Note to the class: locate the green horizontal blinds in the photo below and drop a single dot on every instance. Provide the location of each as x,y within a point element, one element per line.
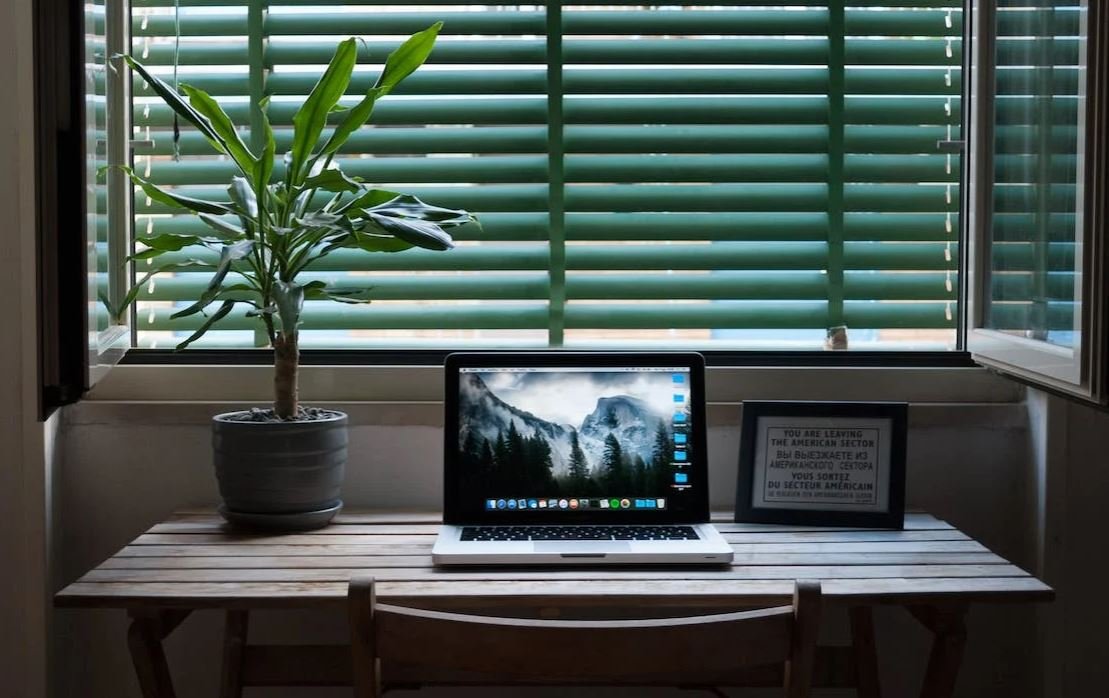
<point>469,130</point>
<point>901,192</point>
<point>761,168</point>
<point>722,174</point>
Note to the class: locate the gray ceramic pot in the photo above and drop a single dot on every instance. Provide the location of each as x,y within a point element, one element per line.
<point>280,475</point>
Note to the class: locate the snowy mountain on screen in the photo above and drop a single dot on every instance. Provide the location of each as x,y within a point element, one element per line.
<point>483,412</point>
<point>628,418</point>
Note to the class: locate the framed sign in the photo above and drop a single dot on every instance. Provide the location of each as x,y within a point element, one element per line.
<point>822,463</point>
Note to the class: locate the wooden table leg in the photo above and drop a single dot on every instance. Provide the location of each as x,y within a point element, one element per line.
<point>948,627</point>
<point>234,651</point>
<point>144,639</point>
<point>864,649</point>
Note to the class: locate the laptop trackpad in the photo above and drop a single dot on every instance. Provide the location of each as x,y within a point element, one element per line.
<point>581,547</point>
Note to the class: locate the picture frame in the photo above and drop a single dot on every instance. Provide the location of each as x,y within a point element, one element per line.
<point>822,463</point>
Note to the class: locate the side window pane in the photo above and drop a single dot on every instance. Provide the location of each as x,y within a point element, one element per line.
<point>96,151</point>
<point>1039,133</point>
<point>107,194</point>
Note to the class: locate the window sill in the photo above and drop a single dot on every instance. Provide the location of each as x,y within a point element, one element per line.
<point>397,383</point>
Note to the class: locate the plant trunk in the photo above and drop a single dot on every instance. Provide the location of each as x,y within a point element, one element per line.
<point>286,359</point>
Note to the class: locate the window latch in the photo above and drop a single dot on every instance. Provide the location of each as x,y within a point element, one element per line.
<point>949,146</point>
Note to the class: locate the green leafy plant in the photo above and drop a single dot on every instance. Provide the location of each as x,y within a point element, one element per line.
<point>279,220</point>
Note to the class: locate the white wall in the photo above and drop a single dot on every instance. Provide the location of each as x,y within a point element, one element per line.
<point>1072,544</point>
<point>128,465</point>
<point>25,444</point>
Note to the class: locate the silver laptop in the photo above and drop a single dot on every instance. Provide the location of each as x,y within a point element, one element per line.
<point>576,458</point>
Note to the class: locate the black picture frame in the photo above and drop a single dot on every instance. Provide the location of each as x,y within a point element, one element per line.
<point>883,430</point>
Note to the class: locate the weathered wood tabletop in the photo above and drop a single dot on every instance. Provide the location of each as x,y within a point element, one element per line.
<point>193,561</point>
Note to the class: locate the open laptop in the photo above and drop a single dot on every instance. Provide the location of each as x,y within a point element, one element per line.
<point>576,458</point>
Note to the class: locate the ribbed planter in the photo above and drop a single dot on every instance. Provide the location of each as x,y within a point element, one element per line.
<point>280,475</point>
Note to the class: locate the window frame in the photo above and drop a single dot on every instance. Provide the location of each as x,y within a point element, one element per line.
<point>109,346</point>
<point>412,375</point>
<point>715,357</point>
<point>1077,372</point>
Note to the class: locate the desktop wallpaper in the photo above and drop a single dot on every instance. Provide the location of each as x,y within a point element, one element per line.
<point>573,434</point>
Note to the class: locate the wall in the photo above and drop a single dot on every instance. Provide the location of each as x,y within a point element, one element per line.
<point>127,465</point>
<point>25,444</point>
<point>1072,544</point>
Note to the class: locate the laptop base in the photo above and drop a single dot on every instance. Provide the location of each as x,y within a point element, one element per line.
<point>709,549</point>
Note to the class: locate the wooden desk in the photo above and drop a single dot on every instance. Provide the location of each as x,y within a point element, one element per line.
<point>193,562</point>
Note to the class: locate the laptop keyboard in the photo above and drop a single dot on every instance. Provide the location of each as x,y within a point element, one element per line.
<point>577,532</point>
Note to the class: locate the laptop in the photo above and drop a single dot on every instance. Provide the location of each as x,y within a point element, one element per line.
<point>576,458</point>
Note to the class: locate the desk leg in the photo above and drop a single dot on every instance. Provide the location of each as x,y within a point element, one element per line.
<point>234,651</point>
<point>864,649</point>
<point>144,639</point>
<point>948,627</point>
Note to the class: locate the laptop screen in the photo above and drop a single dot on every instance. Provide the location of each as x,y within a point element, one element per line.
<point>556,442</point>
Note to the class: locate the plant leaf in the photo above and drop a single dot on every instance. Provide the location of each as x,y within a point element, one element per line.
<point>372,198</point>
<point>177,200</point>
<point>355,119</point>
<point>407,206</point>
<point>332,203</point>
<point>146,254</point>
<point>221,123</point>
<point>401,63</point>
<point>213,319</point>
<point>227,230</point>
<point>107,303</point>
<point>314,291</point>
<point>239,292</point>
<point>228,255</point>
<point>423,234</point>
<point>320,219</point>
<point>318,291</point>
<point>133,292</point>
<point>408,57</point>
<point>357,296</point>
<point>289,297</point>
<point>333,180</point>
<point>263,166</point>
<point>370,242</point>
<point>179,105</point>
<point>166,242</point>
<point>309,120</point>
<point>242,194</point>
<point>262,312</point>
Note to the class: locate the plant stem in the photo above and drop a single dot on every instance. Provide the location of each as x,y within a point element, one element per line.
<point>286,357</point>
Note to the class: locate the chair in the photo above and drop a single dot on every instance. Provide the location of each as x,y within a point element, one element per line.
<point>589,652</point>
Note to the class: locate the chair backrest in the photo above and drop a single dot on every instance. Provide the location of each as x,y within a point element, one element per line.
<point>614,651</point>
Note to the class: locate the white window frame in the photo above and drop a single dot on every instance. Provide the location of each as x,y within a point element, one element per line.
<point>107,347</point>
<point>1079,370</point>
<point>1074,372</point>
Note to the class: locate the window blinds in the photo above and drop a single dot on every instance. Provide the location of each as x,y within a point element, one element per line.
<point>728,175</point>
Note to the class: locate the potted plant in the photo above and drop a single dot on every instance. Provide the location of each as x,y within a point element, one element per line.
<point>283,467</point>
